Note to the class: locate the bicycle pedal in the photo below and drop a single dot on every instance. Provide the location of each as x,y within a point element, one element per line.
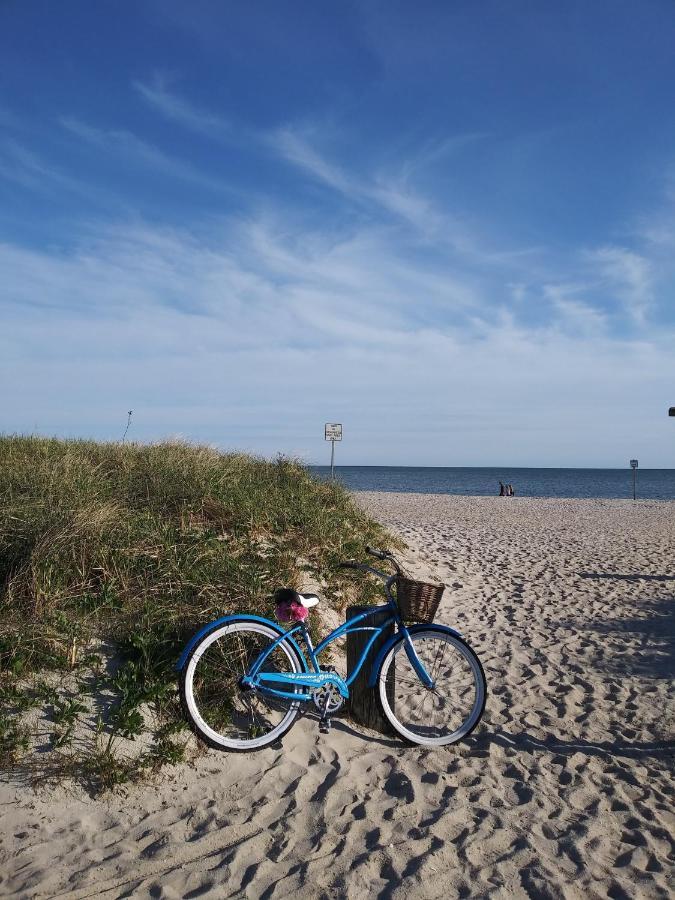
<point>324,726</point>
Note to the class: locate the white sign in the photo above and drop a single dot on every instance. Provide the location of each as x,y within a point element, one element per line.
<point>633,463</point>
<point>333,432</point>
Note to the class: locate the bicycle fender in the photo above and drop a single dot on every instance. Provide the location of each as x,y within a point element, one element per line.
<point>233,618</point>
<point>414,629</point>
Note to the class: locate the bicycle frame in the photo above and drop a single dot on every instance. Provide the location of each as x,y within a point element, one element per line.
<point>258,679</point>
<point>257,658</point>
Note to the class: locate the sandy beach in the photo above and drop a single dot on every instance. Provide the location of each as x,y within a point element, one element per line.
<point>564,791</point>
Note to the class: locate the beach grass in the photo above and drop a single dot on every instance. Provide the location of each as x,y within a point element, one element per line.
<point>111,555</point>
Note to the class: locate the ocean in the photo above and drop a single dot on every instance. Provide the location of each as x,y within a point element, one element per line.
<point>652,484</point>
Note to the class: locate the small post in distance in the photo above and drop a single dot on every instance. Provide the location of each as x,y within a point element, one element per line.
<point>634,465</point>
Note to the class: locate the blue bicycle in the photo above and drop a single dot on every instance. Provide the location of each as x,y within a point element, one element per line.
<point>244,679</point>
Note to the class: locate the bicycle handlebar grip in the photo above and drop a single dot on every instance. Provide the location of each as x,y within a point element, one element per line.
<point>348,565</point>
<point>379,554</point>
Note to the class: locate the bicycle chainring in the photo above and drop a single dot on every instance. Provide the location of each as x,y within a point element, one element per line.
<point>327,699</point>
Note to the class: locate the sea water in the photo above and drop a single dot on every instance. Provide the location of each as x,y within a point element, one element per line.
<point>651,484</point>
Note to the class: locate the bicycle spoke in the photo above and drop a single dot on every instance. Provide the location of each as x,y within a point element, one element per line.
<point>438,662</point>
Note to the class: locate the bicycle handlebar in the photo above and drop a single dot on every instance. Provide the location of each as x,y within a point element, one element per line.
<point>378,554</point>
<point>386,556</point>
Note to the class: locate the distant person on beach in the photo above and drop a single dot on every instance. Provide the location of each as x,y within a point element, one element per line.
<point>512,493</point>
<point>502,489</point>
<point>509,490</point>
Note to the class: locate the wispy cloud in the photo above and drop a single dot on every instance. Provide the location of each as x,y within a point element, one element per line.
<point>627,276</point>
<point>214,326</point>
<point>209,334</point>
<point>437,150</point>
<point>575,315</point>
<point>177,109</point>
<point>125,145</point>
<point>204,343</point>
<point>23,166</point>
<point>296,150</point>
<point>656,227</point>
<point>390,193</point>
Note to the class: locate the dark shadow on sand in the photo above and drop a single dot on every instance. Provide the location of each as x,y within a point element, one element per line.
<point>641,645</point>
<point>343,722</point>
<point>664,749</point>
<point>616,576</point>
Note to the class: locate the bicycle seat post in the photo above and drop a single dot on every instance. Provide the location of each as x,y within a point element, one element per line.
<point>307,639</point>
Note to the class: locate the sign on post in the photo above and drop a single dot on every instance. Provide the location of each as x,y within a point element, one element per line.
<point>633,465</point>
<point>332,433</point>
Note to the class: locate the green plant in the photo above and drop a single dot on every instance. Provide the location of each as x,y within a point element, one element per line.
<point>17,698</point>
<point>164,752</point>
<point>66,710</point>
<point>14,740</point>
<point>61,737</point>
<point>103,771</point>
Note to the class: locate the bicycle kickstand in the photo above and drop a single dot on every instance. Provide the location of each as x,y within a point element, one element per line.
<point>324,725</point>
<point>324,721</point>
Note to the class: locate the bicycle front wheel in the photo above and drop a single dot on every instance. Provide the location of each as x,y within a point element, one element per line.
<point>450,709</point>
<point>220,711</point>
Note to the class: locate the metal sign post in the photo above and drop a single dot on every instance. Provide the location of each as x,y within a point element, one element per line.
<point>634,465</point>
<point>332,433</point>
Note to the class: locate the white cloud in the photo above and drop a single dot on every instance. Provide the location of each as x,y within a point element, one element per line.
<point>21,165</point>
<point>398,320</point>
<point>179,110</point>
<point>297,150</point>
<point>257,336</point>
<point>120,144</point>
<point>574,314</point>
<point>628,277</point>
<point>386,191</point>
<point>389,193</point>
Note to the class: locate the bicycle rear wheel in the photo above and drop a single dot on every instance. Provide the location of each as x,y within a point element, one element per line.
<point>452,707</point>
<point>220,711</point>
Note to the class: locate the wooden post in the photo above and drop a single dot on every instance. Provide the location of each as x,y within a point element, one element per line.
<point>363,700</point>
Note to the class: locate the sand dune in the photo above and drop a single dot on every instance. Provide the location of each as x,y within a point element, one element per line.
<point>565,790</point>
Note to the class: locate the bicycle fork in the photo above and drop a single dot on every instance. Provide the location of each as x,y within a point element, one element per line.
<point>415,661</point>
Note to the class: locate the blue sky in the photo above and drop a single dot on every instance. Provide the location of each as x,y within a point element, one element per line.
<point>449,226</point>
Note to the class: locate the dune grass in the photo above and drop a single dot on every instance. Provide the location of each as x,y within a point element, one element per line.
<point>111,555</point>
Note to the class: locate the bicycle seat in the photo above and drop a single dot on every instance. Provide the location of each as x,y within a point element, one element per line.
<point>290,606</point>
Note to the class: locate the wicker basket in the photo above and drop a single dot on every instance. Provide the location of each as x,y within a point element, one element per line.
<point>417,600</point>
